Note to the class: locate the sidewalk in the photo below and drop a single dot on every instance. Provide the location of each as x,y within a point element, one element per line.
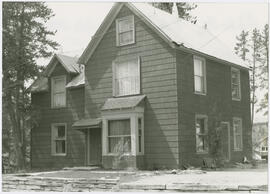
<point>209,181</point>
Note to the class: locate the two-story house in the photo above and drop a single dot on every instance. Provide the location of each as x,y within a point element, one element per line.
<point>155,91</point>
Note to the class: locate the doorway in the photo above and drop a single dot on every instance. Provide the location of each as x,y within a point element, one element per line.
<point>94,152</point>
<point>225,142</point>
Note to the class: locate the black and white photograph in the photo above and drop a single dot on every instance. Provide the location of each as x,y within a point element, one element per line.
<point>134,96</point>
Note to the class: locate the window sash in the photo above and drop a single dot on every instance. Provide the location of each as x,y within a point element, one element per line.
<point>126,79</point>
<point>199,75</point>
<point>237,129</point>
<point>125,30</point>
<point>235,84</point>
<point>201,133</point>
<point>58,142</point>
<point>58,91</point>
<point>119,144</point>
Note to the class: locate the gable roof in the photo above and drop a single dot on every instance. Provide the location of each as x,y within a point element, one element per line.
<point>172,30</point>
<point>69,63</point>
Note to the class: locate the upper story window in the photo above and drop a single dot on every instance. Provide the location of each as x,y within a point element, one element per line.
<point>201,134</point>
<point>199,75</point>
<point>126,78</point>
<point>58,91</point>
<point>125,31</point>
<point>119,136</point>
<point>59,139</point>
<point>236,87</point>
<point>237,133</point>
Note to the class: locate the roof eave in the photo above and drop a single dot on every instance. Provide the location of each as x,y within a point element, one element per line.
<point>193,51</point>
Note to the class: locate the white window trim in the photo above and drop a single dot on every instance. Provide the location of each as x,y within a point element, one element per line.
<point>117,30</point>
<point>239,80</point>
<point>52,92</point>
<point>202,116</point>
<point>119,115</point>
<point>53,153</point>
<point>234,137</point>
<point>113,77</point>
<point>204,72</point>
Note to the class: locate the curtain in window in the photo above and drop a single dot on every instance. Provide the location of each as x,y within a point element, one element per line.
<point>127,78</point>
<point>59,92</point>
<point>119,136</point>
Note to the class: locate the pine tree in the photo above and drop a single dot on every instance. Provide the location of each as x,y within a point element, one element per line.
<point>241,47</point>
<point>25,38</point>
<point>182,7</point>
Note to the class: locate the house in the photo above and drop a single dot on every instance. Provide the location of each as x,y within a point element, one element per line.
<point>260,139</point>
<point>154,92</point>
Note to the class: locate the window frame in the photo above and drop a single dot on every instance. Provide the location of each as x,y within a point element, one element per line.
<point>205,117</point>
<point>239,84</point>
<point>234,134</point>
<point>52,92</point>
<point>53,145</point>
<point>130,17</point>
<point>195,57</point>
<point>114,71</point>
<point>122,136</point>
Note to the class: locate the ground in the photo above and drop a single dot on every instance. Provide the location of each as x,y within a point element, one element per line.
<point>243,178</point>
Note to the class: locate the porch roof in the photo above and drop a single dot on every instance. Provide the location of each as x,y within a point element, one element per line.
<point>87,123</point>
<point>122,102</point>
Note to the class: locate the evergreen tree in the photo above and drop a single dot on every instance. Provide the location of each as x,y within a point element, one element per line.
<point>182,7</point>
<point>241,47</point>
<point>25,38</point>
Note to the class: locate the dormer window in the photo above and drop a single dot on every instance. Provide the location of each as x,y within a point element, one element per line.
<point>58,91</point>
<point>125,31</point>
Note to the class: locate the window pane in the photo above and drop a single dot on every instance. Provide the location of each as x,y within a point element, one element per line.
<point>200,143</point>
<point>126,37</point>
<point>235,91</point>
<point>59,84</point>
<point>235,79</point>
<point>119,127</point>
<point>198,67</point>
<point>60,146</point>
<point>119,144</point>
<point>199,84</point>
<point>61,131</point>
<point>59,99</point>
<point>125,25</point>
<point>238,142</point>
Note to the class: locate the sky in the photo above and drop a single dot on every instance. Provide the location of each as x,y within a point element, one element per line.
<point>76,22</point>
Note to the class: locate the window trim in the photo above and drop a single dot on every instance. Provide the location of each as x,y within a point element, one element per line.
<point>114,64</point>
<point>53,152</point>
<point>234,135</point>
<point>202,116</point>
<point>117,30</point>
<point>52,91</point>
<point>195,57</point>
<point>239,81</point>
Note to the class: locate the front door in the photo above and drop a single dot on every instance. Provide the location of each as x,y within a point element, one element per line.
<point>94,146</point>
<point>225,140</point>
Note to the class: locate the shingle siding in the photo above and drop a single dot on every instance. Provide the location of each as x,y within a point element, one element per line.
<point>217,105</point>
<point>41,135</point>
<point>158,83</point>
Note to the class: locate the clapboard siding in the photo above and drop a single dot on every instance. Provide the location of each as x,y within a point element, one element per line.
<point>158,83</point>
<point>41,135</point>
<point>217,105</point>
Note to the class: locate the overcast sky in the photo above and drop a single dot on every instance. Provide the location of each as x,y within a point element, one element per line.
<point>76,22</point>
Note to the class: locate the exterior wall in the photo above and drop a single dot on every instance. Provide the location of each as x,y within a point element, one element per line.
<point>41,135</point>
<point>217,105</point>
<point>158,83</point>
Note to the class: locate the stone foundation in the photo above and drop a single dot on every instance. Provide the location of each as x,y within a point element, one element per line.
<point>124,162</point>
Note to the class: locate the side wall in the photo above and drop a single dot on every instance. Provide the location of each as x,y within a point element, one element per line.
<point>41,134</point>
<point>217,105</point>
<point>158,83</point>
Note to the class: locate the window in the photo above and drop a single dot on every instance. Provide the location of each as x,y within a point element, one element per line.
<point>58,85</point>
<point>59,139</point>
<point>119,136</point>
<point>126,78</point>
<point>125,31</point>
<point>237,130</point>
<point>201,133</point>
<point>235,80</point>
<point>199,75</point>
<point>140,134</point>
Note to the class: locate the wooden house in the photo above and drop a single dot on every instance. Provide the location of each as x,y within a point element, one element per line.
<point>155,91</point>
